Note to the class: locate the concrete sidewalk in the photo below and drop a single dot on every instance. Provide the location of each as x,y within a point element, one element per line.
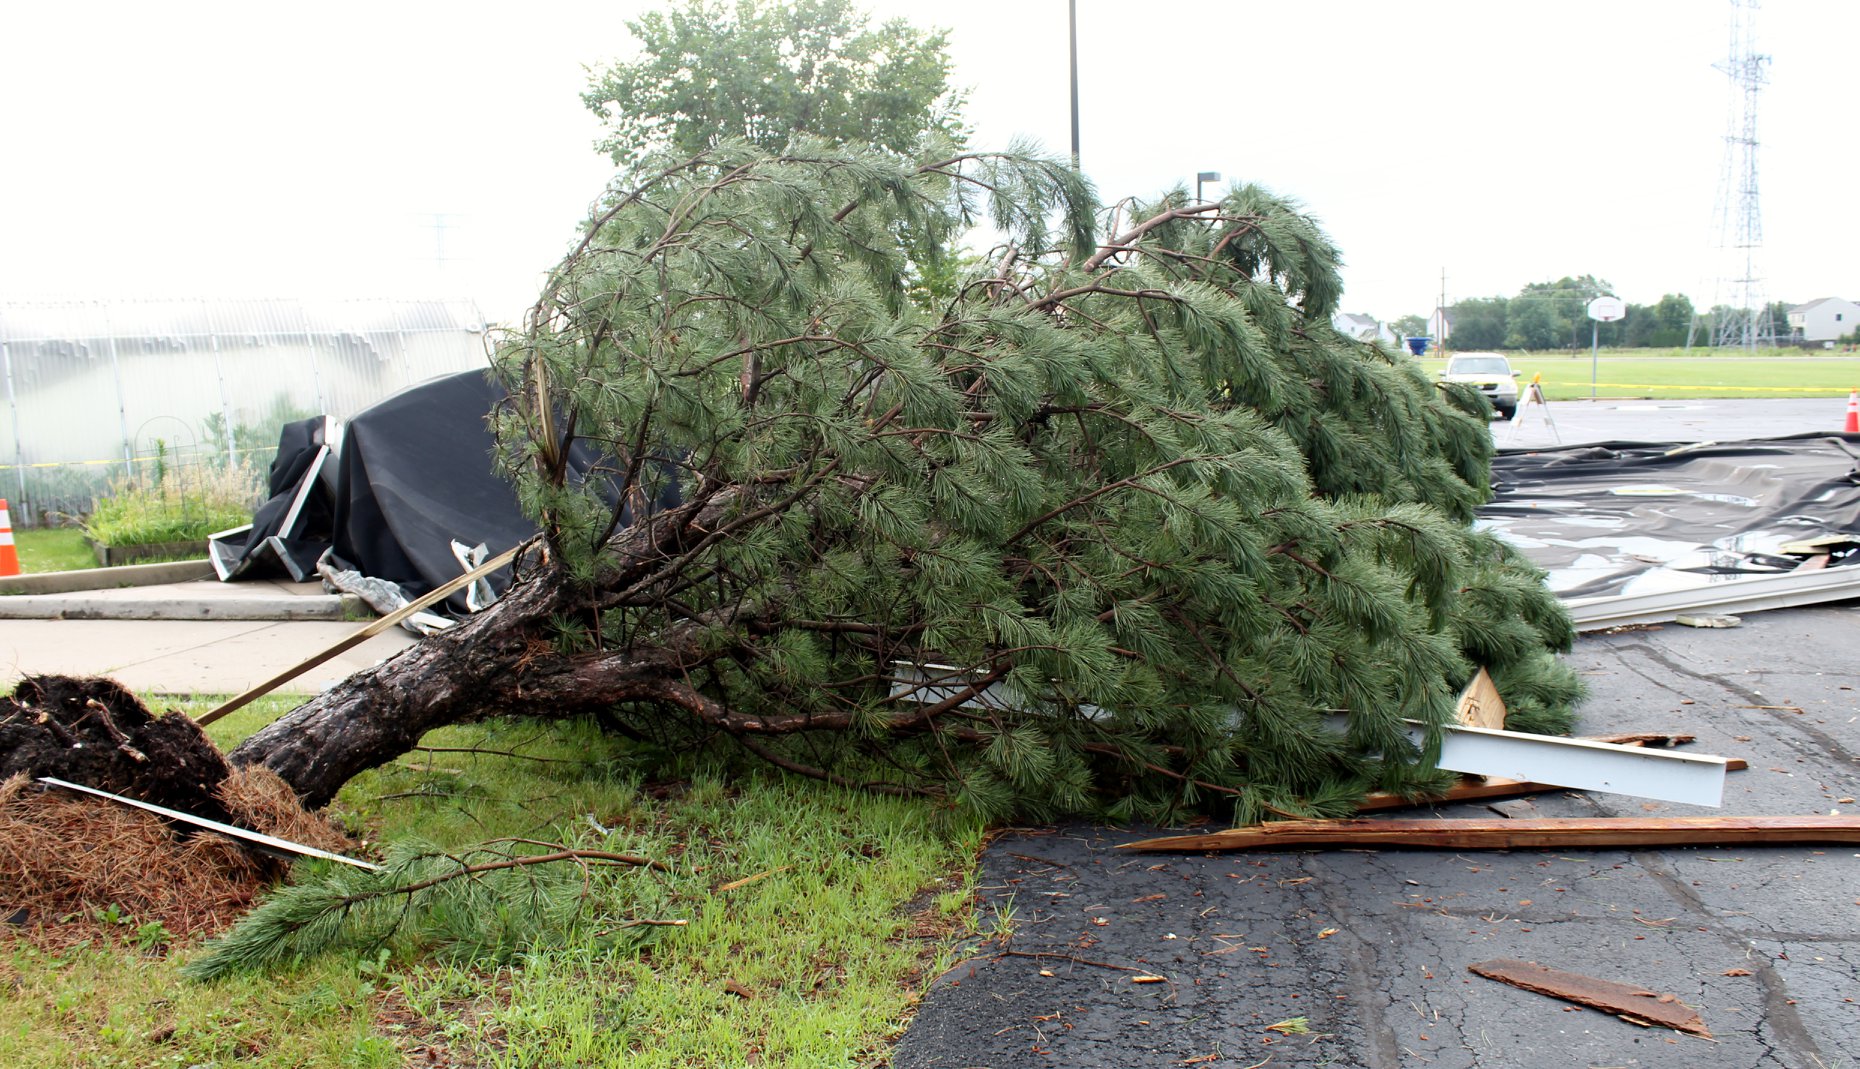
<point>201,599</point>
<point>189,637</point>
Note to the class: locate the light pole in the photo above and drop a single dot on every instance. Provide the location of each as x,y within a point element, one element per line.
<point>1204,176</point>
<point>1072,28</point>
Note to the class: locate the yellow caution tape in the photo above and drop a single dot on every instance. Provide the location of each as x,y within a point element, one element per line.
<point>1827,390</point>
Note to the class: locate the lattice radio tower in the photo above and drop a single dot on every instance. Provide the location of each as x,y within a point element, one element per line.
<point>1739,236</point>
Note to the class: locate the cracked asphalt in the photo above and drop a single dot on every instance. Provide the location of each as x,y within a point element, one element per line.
<point>1361,956</point>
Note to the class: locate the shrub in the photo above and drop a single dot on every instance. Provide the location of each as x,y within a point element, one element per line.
<point>183,504</point>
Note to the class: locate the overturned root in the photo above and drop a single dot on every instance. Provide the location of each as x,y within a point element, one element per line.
<point>95,732</point>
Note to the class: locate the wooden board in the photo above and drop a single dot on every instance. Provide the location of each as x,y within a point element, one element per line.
<point>1471,789</point>
<point>1630,1003</point>
<point>1480,706</point>
<point>362,635</point>
<point>1497,833</point>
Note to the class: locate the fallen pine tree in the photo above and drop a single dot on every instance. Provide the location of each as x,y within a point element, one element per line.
<point>1135,491</point>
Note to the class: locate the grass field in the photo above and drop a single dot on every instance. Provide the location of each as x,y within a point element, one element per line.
<point>815,919</point>
<point>53,549</point>
<point>1677,374</point>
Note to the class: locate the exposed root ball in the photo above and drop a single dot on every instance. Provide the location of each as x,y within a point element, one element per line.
<point>94,732</point>
<point>75,867</point>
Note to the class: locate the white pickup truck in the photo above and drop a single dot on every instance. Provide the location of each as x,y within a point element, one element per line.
<point>1491,373</point>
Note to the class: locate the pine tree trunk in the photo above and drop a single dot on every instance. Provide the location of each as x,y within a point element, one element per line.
<point>381,712</point>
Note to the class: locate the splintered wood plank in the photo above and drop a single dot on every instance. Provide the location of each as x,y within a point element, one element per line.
<point>1630,1003</point>
<point>1496,833</point>
<point>1480,706</point>
<point>1643,738</point>
<point>1470,789</point>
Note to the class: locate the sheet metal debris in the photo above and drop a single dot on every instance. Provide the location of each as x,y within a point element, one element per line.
<point>1730,596</point>
<point>1635,518</point>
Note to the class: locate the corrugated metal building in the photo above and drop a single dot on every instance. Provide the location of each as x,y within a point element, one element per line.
<point>93,389</point>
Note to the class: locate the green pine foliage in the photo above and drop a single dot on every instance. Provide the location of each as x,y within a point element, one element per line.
<point>1182,543</point>
<point>482,904</point>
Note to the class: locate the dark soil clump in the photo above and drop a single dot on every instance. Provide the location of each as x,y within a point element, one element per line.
<point>96,733</point>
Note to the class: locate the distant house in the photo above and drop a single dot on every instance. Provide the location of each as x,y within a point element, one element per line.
<point>1364,328</point>
<point>1824,320</point>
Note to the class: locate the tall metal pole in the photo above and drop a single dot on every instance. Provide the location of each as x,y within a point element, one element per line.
<point>19,449</point>
<point>122,401</point>
<point>1072,19</point>
<point>1595,328</point>
<point>219,371</point>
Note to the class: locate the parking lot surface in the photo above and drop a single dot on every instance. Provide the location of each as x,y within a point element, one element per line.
<point>1360,957</point>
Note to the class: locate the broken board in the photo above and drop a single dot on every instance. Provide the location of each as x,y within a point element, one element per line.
<point>1495,833</point>
<point>1480,706</point>
<point>1630,1003</point>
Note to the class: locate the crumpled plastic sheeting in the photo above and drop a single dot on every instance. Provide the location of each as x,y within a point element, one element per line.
<point>1630,518</point>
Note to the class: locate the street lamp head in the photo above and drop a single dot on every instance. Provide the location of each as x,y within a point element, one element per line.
<point>1208,176</point>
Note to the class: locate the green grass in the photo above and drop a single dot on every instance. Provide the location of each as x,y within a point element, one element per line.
<point>53,549</point>
<point>1676,374</point>
<point>859,901</point>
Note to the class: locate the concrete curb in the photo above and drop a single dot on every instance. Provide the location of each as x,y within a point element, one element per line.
<point>326,607</point>
<point>106,578</point>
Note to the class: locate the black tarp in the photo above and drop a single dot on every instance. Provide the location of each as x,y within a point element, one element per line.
<point>414,475</point>
<point>1630,517</point>
<point>291,529</point>
<point>414,487</point>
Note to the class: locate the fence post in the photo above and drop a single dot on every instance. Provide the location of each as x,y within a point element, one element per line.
<point>122,401</point>
<point>316,373</point>
<point>19,449</point>
<point>219,372</point>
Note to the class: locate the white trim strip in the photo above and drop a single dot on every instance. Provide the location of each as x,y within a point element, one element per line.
<point>228,830</point>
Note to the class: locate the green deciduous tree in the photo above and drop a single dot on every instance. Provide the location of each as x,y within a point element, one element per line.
<point>1554,315</point>
<point>764,72</point>
<point>1480,323</point>
<point>1172,540</point>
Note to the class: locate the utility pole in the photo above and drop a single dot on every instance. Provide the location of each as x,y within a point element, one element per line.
<point>1072,22</point>
<point>1440,316</point>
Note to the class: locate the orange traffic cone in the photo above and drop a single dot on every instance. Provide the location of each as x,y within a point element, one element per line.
<point>1853,419</point>
<point>9,556</point>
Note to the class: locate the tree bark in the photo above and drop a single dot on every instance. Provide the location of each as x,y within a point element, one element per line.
<point>382,712</point>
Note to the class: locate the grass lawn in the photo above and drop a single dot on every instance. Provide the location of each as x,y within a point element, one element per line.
<point>53,549</point>
<point>815,919</point>
<point>1675,374</point>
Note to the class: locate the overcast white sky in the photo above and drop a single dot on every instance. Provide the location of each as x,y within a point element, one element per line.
<point>274,150</point>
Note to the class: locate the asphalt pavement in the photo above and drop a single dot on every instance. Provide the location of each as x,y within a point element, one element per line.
<point>1706,420</point>
<point>1360,956</point>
